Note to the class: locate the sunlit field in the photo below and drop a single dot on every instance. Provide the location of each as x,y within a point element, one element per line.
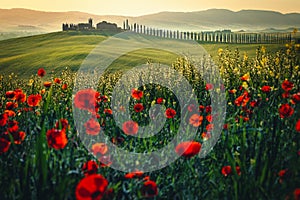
<point>42,156</point>
<point>56,51</point>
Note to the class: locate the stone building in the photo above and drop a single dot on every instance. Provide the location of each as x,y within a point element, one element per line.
<point>104,25</point>
<point>86,26</point>
<point>78,27</point>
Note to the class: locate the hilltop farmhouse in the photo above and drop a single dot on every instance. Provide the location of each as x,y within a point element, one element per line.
<point>104,25</point>
<point>221,36</point>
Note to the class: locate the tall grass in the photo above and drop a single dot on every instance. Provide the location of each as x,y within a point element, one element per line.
<point>256,139</point>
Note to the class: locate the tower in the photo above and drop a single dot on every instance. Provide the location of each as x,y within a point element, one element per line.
<point>90,23</point>
<point>127,25</point>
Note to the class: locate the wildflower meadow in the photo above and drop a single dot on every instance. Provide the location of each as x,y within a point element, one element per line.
<point>257,155</point>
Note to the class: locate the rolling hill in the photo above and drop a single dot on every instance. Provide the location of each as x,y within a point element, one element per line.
<point>31,21</point>
<point>18,19</point>
<point>58,50</point>
<point>216,19</point>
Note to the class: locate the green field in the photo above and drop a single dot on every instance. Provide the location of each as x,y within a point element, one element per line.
<point>56,51</point>
<point>51,127</point>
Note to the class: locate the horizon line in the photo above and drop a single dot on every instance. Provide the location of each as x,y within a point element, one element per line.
<point>87,12</point>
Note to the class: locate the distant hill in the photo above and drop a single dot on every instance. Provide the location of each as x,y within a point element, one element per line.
<point>14,19</point>
<point>30,21</point>
<point>216,19</point>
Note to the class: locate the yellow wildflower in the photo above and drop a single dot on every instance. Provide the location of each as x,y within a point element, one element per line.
<point>245,85</point>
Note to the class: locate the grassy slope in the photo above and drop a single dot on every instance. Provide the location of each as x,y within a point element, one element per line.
<point>56,51</point>
<point>52,51</point>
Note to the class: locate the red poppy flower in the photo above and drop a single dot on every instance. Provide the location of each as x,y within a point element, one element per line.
<point>130,127</point>
<point>137,94</point>
<point>11,105</point>
<point>3,119</point>
<point>285,110</point>
<point>232,91</point>
<point>266,89</point>
<point>159,100</point>
<point>238,170</point>
<point>136,174</point>
<point>108,111</point>
<point>287,85</point>
<point>196,120</point>
<point>254,103</point>
<point>226,170</point>
<point>34,100</point>
<point>13,126</point>
<point>208,109</point>
<point>201,108</point>
<point>92,127</point>
<point>297,194</point>
<point>62,124</point>
<point>103,98</point>
<point>209,127</point>
<point>57,80</point>
<point>41,72</point>
<point>225,127</point>
<point>282,173</point>
<point>10,113</point>
<point>18,90</point>
<point>149,189</point>
<point>298,126</point>
<point>27,109</point>
<point>47,83</point>
<point>245,119</point>
<point>20,97</point>
<point>56,139</point>
<point>188,149</point>
<point>243,99</point>
<point>170,113</point>
<point>91,187</point>
<point>209,118</point>
<point>18,137</point>
<point>43,91</point>
<point>90,167</point>
<point>285,95</point>
<point>64,86</point>
<point>296,98</point>
<point>245,77</point>
<point>4,145</point>
<point>238,101</point>
<point>10,94</point>
<point>138,107</point>
<point>86,100</point>
<point>99,149</point>
<point>209,86</point>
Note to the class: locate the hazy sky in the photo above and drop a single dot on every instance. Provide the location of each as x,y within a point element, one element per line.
<point>141,7</point>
